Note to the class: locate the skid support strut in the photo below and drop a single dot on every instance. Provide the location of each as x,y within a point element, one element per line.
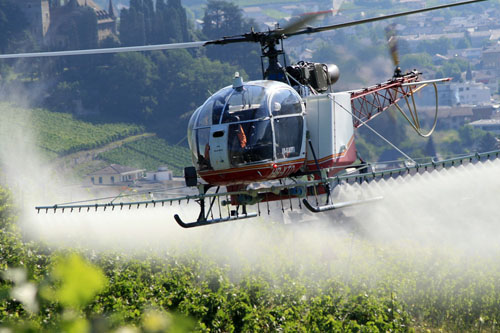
<point>203,218</point>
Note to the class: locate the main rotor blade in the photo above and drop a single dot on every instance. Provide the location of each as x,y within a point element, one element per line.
<point>379,18</point>
<point>300,22</point>
<point>249,37</point>
<point>106,50</point>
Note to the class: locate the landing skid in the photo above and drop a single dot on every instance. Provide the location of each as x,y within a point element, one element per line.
<point>203,222</point>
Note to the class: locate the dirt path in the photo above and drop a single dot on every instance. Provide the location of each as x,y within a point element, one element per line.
<point>73,161</point>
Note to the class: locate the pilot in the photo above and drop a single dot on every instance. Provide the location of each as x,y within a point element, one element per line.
<point>237,140</point>
<point>242,138</point>
<point>206,154</point>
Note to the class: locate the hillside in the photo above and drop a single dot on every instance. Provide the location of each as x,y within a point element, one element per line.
<point>58,134</point>
<point>77,144</point>
<point>149,153</point>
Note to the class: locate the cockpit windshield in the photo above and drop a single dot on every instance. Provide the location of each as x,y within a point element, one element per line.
<point>246,103</point>
<point>212,109</point>
<point>233,105</point>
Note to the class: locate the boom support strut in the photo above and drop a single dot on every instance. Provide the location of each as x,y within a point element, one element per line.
<point>370,102</point>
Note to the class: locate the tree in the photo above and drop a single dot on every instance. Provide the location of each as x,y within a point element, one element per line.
<point>416,60</point>
<point>488,142</point>
<point>184,83</point>
<point>464,43</point>
<point>441,46</point>
<point>224,18</point>
<point>12,24</point>
<point>144,23</point>
<point>79,29</point>
<point>430,148</point>
<point>468,74</point>
<point>128,88</point>
<point>453,70</point>
<point>132,25</point>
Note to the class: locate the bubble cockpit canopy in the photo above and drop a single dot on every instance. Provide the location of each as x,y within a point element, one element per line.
<point>259,121</point>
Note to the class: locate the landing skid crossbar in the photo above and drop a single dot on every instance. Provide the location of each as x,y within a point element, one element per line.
<point>325,208</point>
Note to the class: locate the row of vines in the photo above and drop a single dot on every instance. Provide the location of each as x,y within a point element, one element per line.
<point>150,153</point>
<point>61,133</point>
<point>381,290</point>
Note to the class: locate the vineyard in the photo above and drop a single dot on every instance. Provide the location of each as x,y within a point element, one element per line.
<point>149,154</point>
<point>356,286</point>
<point>60,134</point>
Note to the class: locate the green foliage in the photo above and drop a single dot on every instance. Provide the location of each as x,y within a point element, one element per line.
<point>223,18</point>
<point>12,24</point>
<point>437,46</point>
<point>149,154</point>
<point>130,72</point>
<point>143,23</point>
<point>416,60</point>
<point>454,69</point>
<point>382,289</point>
<point>62,133</point>
<point>81,29</point>
<point>79,282</point>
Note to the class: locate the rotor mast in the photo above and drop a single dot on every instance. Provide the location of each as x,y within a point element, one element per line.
<point>270,50</point>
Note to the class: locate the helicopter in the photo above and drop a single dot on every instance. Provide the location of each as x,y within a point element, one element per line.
<point>286,136</point>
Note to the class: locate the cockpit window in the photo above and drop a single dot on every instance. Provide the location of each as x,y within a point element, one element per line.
<point>250,142</point>
<point>212,110</point>
<point>285,102</point>
<point>247,103</point>
<point>288,136</point>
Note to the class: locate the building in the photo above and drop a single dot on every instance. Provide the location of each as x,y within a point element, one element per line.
<point>488,77</point>
<point>491,58</point>
<point>115,174</point>
<point>37,13</point>
<point>449,117</point>
<point>161,175</point>
<point>46,17</point>
<point>471,54</point>
<point>490,125</point>
<point>470,93</point>
<point>483,112</point>
<point>460,93</point>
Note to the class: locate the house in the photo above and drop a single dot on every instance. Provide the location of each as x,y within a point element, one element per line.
<point>449,117</point>
<point>454,117</point>
<point>161,175</point>
<point>460,93</point>
<point>483,112</point>
<point>491,57</point>
<point>115,174</point>
<point>471,93</point>
<point>490,125</point>
<point>415,39</point>
<point>471,54</point>
<point>487,77</point>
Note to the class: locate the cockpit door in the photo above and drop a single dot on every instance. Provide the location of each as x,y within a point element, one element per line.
<point>219,157</point>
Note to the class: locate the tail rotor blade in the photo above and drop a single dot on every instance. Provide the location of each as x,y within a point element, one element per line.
<point>392,43</point>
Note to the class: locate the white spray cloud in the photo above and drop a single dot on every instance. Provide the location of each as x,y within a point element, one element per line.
<point>455,208</point>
